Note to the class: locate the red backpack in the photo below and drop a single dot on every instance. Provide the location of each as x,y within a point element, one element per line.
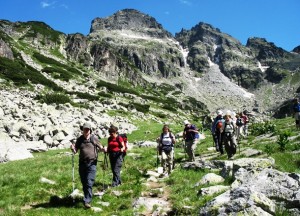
<point>125,140</point>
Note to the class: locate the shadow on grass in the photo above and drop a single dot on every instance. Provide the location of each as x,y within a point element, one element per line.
<point>56,201</point>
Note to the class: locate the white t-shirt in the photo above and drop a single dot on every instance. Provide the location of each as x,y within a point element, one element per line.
<point>167,139</point>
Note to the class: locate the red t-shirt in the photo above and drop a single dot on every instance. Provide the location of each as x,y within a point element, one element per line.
<point>113,144</point>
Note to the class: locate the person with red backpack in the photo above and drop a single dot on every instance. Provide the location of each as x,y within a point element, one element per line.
<point>166,144</point>
<point>216,131</point>
<point>115,150</point>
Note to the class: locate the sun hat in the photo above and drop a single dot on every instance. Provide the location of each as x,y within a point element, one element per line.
<point>185,122</point>
<point>219,112</point>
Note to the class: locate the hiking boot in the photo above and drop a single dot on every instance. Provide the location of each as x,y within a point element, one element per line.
<point>87,205</point>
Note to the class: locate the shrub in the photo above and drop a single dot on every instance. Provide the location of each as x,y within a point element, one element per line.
<point>116,88</point>
<point>262,128</point>
<point>56,98</point>
<point>20,73</point>
<point>283,140</point>
<point>269,149</point>
<point>85,95</point>
<point>103,94</point>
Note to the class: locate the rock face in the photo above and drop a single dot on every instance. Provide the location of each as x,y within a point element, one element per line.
<point>130,19</point>
<point>5,50</point>
<point>257,188</point>
<point>203,63</point>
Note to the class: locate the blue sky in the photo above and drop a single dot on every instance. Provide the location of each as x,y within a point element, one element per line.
<point>276,20</point>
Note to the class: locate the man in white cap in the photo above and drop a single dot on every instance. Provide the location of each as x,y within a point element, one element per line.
<point>89,146</point>
<point>190,135</point>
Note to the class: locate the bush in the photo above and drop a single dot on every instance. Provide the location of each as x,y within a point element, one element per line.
<point>283,140</point>
<point>262,128</point>
<point>20,73</point>
<point>116,88</point>
<point>56,98</point>
<point>269,149</point>
<point>103,94</point>
<point>84,95</point>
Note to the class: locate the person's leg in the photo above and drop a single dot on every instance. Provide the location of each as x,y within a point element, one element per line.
<point>216,141</point>
<point>170,161</point>
<point>227,146</point>
<point>113,162</point>
<point>220,143</point>
<point>164,161</point>
<point>193,148</point>
<point>118,168</point>
<point>189,149</point>
<point>91,174</point>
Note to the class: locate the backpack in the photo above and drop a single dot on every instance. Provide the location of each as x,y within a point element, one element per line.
<point>167,148</point>
<point>296,107</point>
<point>125,140</point>
<point>219,125</point>
<point>231,132</point>
<point>239,122</point>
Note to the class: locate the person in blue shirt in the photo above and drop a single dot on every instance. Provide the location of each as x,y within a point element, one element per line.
<point>296,112</point>
<point>191,138</point>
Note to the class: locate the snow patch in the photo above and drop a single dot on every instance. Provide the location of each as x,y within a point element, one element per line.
<point>262,68</point>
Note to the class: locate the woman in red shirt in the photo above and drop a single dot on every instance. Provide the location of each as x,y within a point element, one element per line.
<point>115,150</point>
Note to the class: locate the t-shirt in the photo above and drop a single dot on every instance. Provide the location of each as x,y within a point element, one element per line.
<point>190,135</point>
<point>166,139</point>
<point>114,145</point>
<point>88,148</point>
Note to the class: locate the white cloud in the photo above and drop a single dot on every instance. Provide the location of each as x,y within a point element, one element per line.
<point>53,4</point>
<point>186,2</point>
<point>45,4</point>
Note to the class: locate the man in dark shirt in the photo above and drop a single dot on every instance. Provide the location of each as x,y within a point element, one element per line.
<point>89,146</point>
<point>191,137</point>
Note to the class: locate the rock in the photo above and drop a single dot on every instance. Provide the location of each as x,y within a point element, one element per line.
<point>45,180</point>
<point>210,178</point>
<point>212,190</point>
<point>148,203</point>
<point>251,152</point>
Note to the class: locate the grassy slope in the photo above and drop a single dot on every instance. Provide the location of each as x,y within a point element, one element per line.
<point>21,193</point>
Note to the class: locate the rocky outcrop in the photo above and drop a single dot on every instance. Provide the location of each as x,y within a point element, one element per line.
<point>130,19</point>
<point>296,49</point>
<point>5,50</point>
<point>33,127</point>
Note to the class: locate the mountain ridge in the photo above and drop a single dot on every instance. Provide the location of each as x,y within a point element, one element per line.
<point>133,46</point>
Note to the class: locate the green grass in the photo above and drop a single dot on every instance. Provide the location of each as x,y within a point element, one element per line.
<point>21,192</point>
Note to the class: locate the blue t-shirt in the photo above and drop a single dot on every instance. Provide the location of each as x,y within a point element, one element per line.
<point>190,135</point>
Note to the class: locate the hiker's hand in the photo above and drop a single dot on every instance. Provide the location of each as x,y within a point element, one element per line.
<point>72,147</point>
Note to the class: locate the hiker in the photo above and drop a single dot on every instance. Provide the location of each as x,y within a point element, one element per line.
<point>228,136</point>
<point>240,125</point>
<point>166,143</point>
<point>246,121</point>
<point>191,137</point>
<point>88,144</point>
<point>296,112</point>
<point>216,131</point>
<point>115,149</point>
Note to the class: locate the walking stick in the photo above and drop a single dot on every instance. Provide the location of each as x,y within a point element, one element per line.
<point>105,166</point>
<point>157,159</point>
<point>73,175</point>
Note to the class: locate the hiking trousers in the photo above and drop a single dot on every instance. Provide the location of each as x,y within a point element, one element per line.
<point>167,161</point>
<point>217,136</point>
<point>87,172</point>
<point>116,160</point>
<point>230,144</point>
<point>190,146</point>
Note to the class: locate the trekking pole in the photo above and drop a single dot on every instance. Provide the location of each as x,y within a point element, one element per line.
<point>157,159</point>
<point>73,175</point>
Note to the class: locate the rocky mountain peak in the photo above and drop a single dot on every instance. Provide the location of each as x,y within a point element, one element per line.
<point>297,49</point>
<point>130,19</point>
<point>265,51</point>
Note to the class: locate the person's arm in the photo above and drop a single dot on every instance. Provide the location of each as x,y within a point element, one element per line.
<point>74,146</point>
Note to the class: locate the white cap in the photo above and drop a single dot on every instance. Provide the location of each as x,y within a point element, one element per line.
<point>228,112</point>
<point>219,112</point>
<point>185,122</point>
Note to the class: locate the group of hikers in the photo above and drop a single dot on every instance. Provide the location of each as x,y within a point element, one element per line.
<point>88,145</point>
